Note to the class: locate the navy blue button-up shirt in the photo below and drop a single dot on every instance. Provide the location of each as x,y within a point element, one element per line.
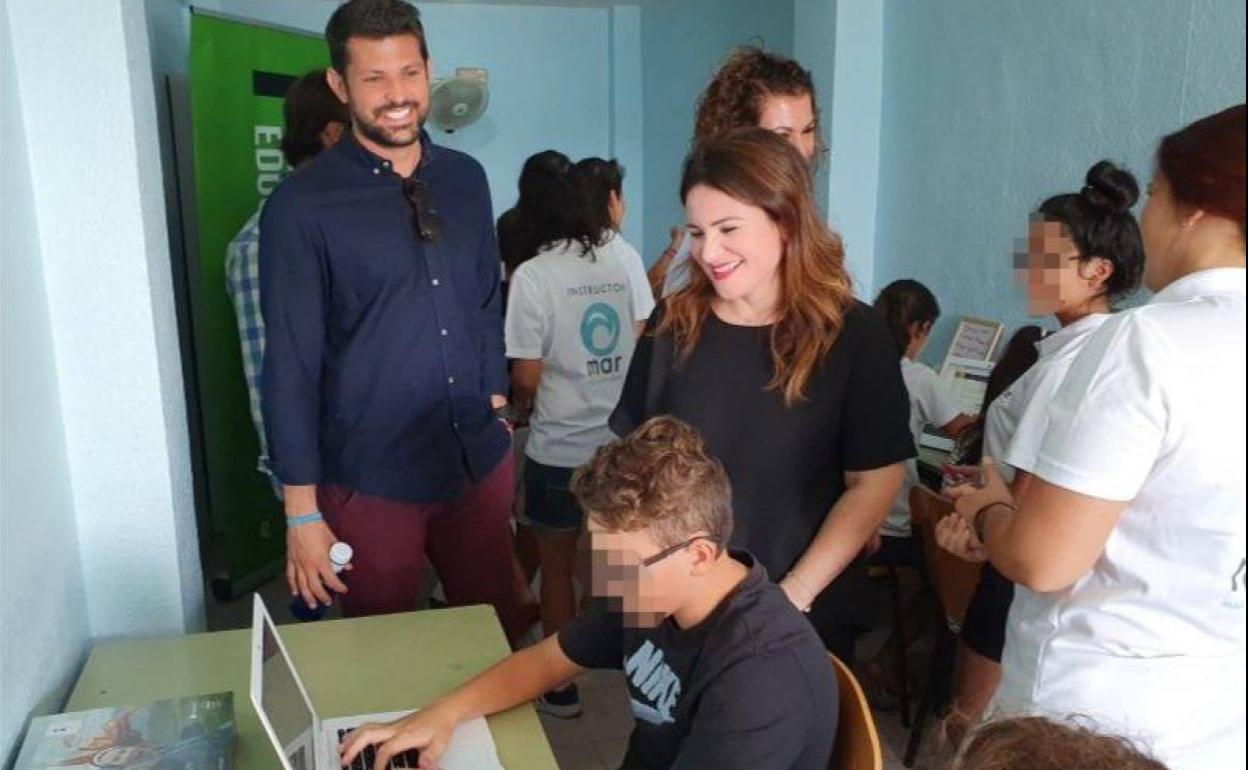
<point>382,350</point>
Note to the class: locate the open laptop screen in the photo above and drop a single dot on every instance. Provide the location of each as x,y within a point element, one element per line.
<point>283,701</point>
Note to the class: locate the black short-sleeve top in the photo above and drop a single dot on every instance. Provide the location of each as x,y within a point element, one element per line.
<point>786,463</point>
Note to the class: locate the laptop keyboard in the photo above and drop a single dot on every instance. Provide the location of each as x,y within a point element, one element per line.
<point>366,758</point>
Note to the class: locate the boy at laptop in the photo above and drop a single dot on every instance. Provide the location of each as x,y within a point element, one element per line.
<point>722,671</point>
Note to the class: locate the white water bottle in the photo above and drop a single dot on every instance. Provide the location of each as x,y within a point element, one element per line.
<point>340,555</point>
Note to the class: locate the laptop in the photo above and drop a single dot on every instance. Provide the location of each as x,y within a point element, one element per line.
<point>304,741</point>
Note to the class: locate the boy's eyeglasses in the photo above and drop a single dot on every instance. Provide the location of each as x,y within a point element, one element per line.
<point>650,561</point>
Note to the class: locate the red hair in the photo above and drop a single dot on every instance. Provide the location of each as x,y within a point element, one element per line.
<point>1204,164</point>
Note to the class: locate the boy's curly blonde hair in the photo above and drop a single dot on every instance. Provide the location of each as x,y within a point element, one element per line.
<point>660,478</point>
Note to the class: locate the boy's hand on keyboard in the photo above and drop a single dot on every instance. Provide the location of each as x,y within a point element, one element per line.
<point>428,731</point>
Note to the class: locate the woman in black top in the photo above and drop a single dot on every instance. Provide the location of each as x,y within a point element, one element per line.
<point>794,383</point>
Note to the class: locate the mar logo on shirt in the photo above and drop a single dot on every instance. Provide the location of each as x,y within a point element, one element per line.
<point>652,679</point>
<point>600,333</point>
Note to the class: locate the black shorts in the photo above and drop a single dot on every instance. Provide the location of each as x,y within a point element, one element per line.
<point>983,630</point>
<point>898,552</point>
<point>548,503</point>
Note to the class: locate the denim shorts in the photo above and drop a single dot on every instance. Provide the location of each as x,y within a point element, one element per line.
<point>548,503</point>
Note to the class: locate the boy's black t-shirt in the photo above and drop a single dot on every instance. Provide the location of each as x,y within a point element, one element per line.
<point>749,687</point>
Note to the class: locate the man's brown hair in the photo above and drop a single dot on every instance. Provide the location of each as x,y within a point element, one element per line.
<point>659,478</point>
<point>375,20</point>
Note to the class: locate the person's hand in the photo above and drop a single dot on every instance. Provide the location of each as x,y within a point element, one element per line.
<point>428,731</point>
<point>971,499</point>
<point>957,475</point>
<point>873,545</point>
<point>955,536</point>
<point>798,594</point>
<point>308,568</point>
<point>678,237</point>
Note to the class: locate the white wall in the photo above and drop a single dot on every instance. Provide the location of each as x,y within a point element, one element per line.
<point>43,607</point>
<point>96,214</point>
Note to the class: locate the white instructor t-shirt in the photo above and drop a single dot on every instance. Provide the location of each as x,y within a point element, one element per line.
<point>575,313</point>
<point>1151,642</point>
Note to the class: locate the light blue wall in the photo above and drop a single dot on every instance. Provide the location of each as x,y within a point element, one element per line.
<point>814,45</point>
<point>551,77</point>
<point>43,613</point>
<point>682,44</point>
<point>990,106</point>
<point>627,126</point>
<point>854,163</point>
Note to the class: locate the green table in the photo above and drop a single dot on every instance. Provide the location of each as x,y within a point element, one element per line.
<point>358,666</point>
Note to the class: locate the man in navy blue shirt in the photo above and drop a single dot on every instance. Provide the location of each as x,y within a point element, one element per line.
<point>384,364</point>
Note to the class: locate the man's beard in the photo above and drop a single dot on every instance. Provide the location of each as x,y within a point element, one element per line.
<point>387,137</point>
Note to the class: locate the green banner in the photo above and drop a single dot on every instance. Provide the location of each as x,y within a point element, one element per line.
<point>239,74</point>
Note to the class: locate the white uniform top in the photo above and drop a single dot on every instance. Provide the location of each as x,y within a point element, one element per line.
<point>1150,642</point>
<point>1002,419</point>
<point>575,312</point>
<point>932,402</point>
<point>1034,391</point>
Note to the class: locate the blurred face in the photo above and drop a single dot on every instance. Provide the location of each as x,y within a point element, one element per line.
<point>1057,280</point>
<point>1162,226</point>
<point>386,88</point>
<point>331,133</point>
<point>644,593</point>
<point>793,118</point>
<point>736,244</point>
<point>617,209</point>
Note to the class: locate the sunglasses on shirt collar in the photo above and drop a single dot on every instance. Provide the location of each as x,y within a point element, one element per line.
<point>424,216</point>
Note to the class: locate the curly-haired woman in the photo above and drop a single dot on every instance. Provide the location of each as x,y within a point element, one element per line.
<point>753,88</point>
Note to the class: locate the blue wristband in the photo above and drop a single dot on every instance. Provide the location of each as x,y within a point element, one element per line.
<point>307,518</point>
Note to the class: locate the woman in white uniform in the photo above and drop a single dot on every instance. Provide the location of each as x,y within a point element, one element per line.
<point>1128,544</point>
<point>1084,253</point>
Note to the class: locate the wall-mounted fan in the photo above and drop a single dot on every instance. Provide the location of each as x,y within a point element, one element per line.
<point>458,101</point>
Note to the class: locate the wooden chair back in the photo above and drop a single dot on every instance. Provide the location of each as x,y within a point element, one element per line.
<point>953,579</point>
<point>857,745</point>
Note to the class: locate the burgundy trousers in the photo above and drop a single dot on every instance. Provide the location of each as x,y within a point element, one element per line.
<point>468,540</point>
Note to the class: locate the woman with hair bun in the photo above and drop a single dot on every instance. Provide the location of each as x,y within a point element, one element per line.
<point>1083,253</point>
<point>1127,545</point>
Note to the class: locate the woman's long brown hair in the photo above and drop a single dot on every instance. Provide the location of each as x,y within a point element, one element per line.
<point>758,168</point>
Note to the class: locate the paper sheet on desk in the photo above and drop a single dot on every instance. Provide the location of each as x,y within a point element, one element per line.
<point>472,748</point>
